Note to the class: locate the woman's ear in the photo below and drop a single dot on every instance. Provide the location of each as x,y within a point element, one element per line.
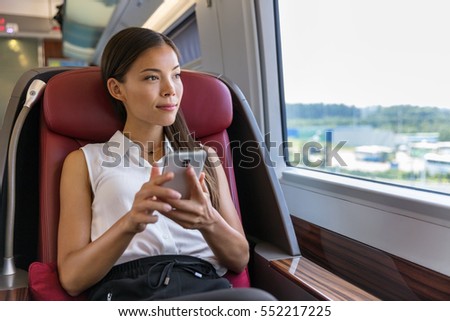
<point>115,89</point>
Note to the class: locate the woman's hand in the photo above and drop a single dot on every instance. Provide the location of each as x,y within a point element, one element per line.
<point>149,199</point>
<point>221,226</point>
<point>196,212</point>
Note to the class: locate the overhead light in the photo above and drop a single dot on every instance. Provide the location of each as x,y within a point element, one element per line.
<point>167,13</point>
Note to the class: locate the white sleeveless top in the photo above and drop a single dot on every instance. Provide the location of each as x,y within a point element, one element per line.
<point>117,172</point>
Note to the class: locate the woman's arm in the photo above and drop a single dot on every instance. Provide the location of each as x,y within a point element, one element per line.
<point>82,263</point>
<point>226,237</point>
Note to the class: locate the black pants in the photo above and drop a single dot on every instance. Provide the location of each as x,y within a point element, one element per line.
<point>234,294</point>
<point>158,278</point>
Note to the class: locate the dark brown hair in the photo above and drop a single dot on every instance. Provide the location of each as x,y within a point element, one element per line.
<point>120,53</point>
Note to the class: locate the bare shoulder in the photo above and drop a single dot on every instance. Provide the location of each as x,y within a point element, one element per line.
<point>75,167</point>
<point>76,156</point>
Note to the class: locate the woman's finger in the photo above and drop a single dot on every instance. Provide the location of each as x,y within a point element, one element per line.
<point>148,206</point>
<point>194,183</point>
<point>149,191</point>
<point>202,180</point>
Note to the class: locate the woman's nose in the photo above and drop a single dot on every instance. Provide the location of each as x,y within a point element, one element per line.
<point>168,89</point>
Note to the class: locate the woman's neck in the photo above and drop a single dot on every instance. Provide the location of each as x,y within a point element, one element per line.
<point>150,140</point>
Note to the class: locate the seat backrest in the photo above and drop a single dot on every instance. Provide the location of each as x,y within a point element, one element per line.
<point>77,110</point>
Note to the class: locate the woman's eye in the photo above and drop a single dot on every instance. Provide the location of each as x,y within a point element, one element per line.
<point>151,77</point>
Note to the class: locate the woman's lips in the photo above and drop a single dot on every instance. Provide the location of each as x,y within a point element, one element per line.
<point>167,107</point>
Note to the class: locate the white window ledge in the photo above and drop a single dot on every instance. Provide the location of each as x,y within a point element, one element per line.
<point>406,222</point>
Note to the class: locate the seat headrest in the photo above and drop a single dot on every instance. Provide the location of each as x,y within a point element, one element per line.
<point>77,105</point>
<point>207,104</point>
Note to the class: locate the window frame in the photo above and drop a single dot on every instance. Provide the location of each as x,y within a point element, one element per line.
<point>409,223</point>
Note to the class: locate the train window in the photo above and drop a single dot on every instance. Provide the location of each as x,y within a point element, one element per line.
<point>186,37</point>
<point>366,89</point>
<point>177,19</point>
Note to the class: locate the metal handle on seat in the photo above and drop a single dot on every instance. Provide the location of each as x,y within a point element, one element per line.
<point>34,92</point>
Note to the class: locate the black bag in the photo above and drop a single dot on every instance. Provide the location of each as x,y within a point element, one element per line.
<point>158,277</point>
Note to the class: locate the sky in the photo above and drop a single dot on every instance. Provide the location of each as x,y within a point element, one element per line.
<point>366,52</point>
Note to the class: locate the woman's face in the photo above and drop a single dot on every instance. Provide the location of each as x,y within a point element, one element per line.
<point>152,88</point>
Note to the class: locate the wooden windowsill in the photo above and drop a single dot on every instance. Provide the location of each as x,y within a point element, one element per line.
<point>319,282</point>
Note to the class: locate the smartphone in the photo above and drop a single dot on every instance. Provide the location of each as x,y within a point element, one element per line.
<point>177,162</point>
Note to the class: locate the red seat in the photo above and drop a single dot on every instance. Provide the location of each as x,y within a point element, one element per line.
<point>76,110</point>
